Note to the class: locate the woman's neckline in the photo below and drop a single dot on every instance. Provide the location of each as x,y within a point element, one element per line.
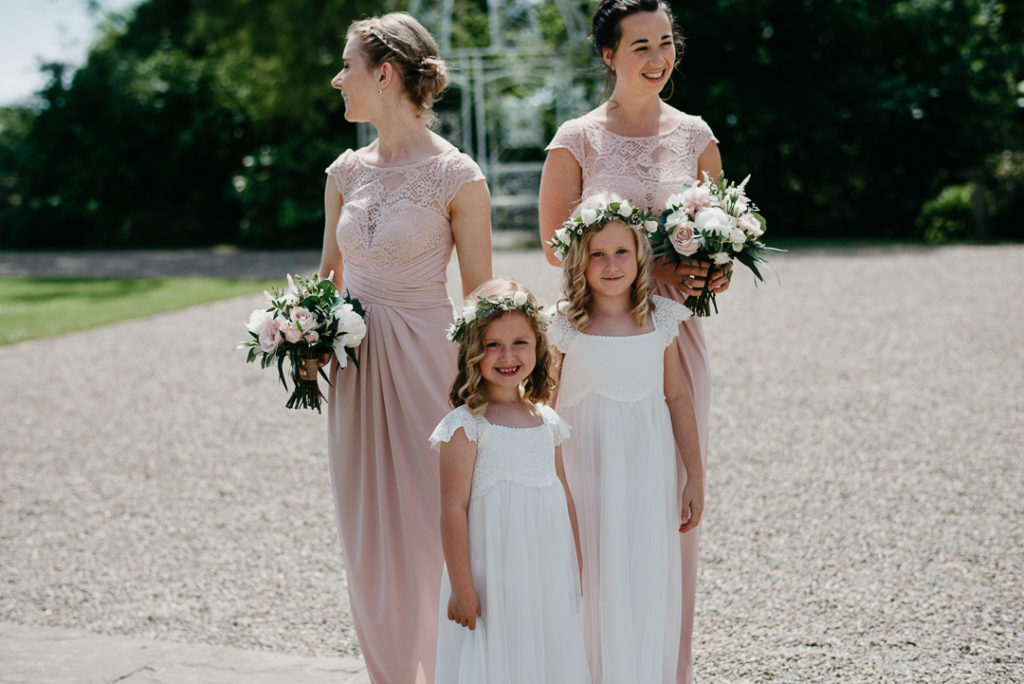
<point>594,121</point>
<point>391,167</point>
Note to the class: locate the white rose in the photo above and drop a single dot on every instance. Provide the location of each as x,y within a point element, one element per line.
<point>469,314</point>
<point>738,239</point>
<point>675,200</point>
<point>258,320</point>
<point>674,219</point>
<point>562,235</point>
<point>625,209</point>
<point>721,258</point>
<point>351,331</point>
<point>714,220</point>
<point>588,215</point>
<point>520,298</point>
<point>650,226</point>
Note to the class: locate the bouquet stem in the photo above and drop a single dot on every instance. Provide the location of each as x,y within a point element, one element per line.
<point>307,392</point>
<point>702,303</point>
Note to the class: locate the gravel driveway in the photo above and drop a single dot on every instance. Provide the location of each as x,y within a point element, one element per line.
<point>865,506</point>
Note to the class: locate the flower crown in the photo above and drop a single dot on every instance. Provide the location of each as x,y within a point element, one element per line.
<point>598,213</point>
<point>486,308</point>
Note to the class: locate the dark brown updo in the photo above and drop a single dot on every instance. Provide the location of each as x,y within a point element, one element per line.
<point>398,38</point>
<point>606,28</point>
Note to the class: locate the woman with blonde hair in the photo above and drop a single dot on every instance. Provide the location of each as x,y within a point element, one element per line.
<point>394,211</point>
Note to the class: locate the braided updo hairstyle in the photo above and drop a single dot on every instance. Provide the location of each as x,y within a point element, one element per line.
<point>606,28</point>
<point>398,38</point>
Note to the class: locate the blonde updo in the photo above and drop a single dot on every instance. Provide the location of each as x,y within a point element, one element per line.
<point>398,38</point>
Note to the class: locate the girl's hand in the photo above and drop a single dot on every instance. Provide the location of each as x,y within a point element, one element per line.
<point>324,359</point>
<point>464,607</point>
<point>689,278</point>
<point>692,505</point>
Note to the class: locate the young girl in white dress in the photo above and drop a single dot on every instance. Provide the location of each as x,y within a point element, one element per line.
<point>510,593</point>
<point>621,387</point>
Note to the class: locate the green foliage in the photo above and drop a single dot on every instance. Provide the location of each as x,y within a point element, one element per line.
<point>202,121</point>
<point>41,307</point>
<point>950,215</point>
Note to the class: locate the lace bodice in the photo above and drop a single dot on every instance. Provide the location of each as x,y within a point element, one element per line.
<point>522,455</point>
<point>645,169</point>
<point>625,369</point>
<point>391,215</point>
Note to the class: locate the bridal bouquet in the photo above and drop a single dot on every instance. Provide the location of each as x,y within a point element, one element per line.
<point>711,221</point>
<point>301,322</point>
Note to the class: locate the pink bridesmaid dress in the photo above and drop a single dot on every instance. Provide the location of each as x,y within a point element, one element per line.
<point>647,170</point>
<point>395,237</point>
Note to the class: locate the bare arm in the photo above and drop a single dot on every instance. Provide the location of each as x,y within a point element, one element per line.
<point>457,459</point>
<point>684,429</point>
<point>471,228</point>
<point>689,278</point>
<point>330,255</point>
<point>555,372</point>
<point>560,469</point>
<point>561,184</point>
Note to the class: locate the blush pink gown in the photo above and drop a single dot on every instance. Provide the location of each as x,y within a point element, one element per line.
<point>395,239</point>
<point>647,170</point>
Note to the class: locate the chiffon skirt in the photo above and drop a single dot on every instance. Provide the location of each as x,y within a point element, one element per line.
<point>384,474</point>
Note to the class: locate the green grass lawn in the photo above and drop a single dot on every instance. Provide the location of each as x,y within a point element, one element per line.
<point>41,307</point>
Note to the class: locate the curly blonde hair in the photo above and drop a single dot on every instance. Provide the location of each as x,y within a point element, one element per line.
<point>576,295</point>
<point>469,387</point>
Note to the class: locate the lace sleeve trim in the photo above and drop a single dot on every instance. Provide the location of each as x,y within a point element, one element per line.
<point>459,418</point>
<point>668,314</point>
<point>570,136</point>
<point>561,332</point>
<point>339,170</point>
<point>560,429</point>
<point>456,170</point>
<point>702,136</point>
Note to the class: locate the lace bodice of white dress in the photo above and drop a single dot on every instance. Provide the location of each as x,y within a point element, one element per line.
<point>521,455</point>
<point>624,369</point>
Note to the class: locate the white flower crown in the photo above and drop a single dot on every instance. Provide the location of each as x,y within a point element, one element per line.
<point>486,308</point>
<point>599,210</point>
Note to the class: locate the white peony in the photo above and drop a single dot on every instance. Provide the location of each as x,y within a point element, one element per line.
<point>258,320</point>
<point>714,220</point>
<point>520,298</point>
<point>589,216</point>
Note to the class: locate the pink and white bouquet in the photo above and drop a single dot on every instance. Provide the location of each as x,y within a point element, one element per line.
<point>713,222</point>
<point>301,322</point>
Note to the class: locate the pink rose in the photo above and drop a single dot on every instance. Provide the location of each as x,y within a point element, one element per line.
<point>312,337</point>
<point>683,240</point>
<point>304,319</point>
<point>750,225</point>
<point>270,336</point>
<point>291,332</point>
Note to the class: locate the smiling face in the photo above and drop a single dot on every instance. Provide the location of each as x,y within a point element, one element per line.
<point>612,261</point>
<point>646,52</point>
<point>357,81</point>
<point>510,351</point>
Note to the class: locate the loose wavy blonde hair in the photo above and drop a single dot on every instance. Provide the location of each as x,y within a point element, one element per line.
<point>469,387</point>
<point>575,289</point>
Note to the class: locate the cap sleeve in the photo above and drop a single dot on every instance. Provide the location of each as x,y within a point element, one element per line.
<point>702,136</point>
<point>559,428</point>
<point>570,136</point>
<point>459,418</point>
<point>668,314</point>
<point>455,171</point>
<point>339,170</point>
<point>561,332</point>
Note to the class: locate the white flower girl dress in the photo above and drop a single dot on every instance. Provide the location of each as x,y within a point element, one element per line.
<point>523,559</point>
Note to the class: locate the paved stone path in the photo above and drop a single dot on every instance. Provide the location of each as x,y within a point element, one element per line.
<point>865,505</point>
